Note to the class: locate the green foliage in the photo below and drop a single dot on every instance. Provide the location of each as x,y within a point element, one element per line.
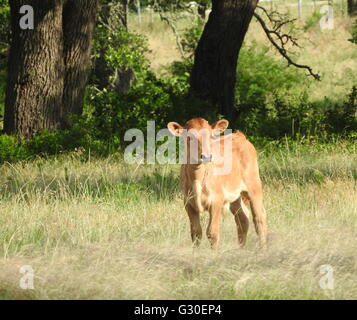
<point>11,149</point>
<point>261,78</point>
<point>266,98</point>
<point>115,113</point>
<point>2,90</point>
<point>191,37</point>
<point>48,143</point>
<point>270,105</point>
<point>342,117</point>
<point>295,117</point>
<point>354,33</point>
<point>312,21</point>
<point>45,143</point>
<point>122,49</point>
<point>4,22</point>
<point>150,98</point>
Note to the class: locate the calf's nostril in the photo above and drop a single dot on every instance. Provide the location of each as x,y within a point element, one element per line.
<point>206,158</point>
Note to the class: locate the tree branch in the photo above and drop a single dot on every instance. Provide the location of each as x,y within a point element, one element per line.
<point>174,30</point>
<point>281,38</point>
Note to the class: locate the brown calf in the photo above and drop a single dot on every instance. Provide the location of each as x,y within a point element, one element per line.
<point>207,189</point>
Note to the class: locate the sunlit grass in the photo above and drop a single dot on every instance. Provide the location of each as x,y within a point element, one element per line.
<point>103,229</point>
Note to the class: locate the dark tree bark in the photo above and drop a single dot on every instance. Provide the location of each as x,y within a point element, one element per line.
<point>79,21</point>
<point>213,76</point>
<point>35,70</point>
<point>48,67</point>
<point>352,7</point>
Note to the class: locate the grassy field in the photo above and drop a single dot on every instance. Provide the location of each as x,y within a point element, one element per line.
<point>98,228</point>
<point>94,228</point>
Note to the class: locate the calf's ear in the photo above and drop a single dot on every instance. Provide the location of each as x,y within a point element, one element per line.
<point>175,128</point>
<point>220,126</point>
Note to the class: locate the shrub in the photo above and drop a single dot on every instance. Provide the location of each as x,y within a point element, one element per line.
<point>312,21</point>
<point>271,101</point>
<point>115,113</point>
<point>149,98</point>
<point>354,33</point>
<point>342,117</point>
<point>190,38</point>
<point>11,149</point>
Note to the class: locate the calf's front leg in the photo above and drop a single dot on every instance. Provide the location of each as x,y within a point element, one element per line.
<point>196,230</point>
<point>215,212</point>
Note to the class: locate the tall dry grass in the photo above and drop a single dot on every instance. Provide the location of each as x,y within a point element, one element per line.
<point>102,229</point>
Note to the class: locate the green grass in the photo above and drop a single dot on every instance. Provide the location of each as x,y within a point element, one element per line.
<point>102,229</point>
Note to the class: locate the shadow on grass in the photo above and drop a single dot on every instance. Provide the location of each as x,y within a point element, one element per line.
<point>154,186</point>
<point>9,292</point>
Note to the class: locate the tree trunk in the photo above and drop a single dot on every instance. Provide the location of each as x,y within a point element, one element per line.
<point>35,70</point>
<point>213,76</point>
<point>48,66</point>
<point>79,21</point>
<point>352,7</point>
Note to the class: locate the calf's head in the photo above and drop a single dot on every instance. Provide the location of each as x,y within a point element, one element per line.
<point>198,135</point>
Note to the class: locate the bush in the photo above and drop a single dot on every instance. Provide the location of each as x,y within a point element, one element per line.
<point>191,37</point>
<point>312,21</point>
<point>271,101</point>
<point>354,33</point>
<point>297,117</point>
<point>110,111</point>
<point>342,117</point>
<point>115,113</point>
<point>11,149</point>
<point>150,98</point>
<point>4,24</point>
<point>49,143</point>
<point>267,101</point>
<point>123,49</point>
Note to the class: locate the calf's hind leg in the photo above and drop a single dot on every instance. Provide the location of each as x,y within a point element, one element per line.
<point>258,212</point>
<point>241,213</point>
